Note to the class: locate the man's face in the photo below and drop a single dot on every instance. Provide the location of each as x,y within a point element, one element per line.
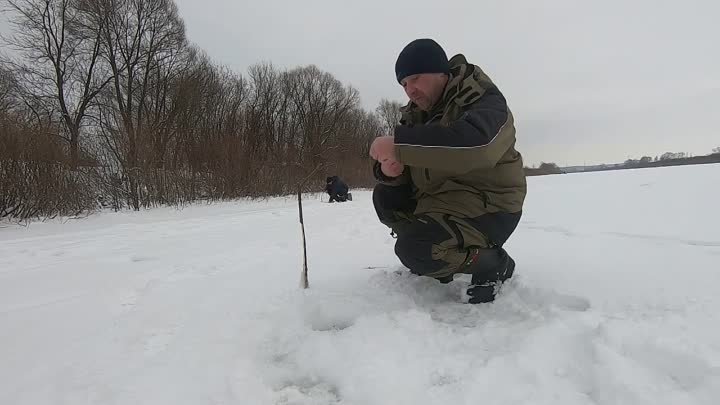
<point>425,89</point>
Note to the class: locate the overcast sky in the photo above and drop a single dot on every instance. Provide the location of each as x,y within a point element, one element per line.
<point>588,81</point>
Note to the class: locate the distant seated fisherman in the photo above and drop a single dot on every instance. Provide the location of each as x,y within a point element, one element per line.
<point>337,189</point>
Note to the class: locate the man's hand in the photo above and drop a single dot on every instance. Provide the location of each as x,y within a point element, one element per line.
<point>383,150</point>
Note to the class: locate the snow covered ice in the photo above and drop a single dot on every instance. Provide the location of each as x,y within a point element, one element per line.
<point>615,302</point>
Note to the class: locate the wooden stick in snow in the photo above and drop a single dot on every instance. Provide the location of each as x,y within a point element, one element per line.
<point>304,275</point>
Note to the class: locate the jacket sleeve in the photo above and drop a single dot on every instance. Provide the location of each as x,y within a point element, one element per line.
<point>390,181</point>
<point>477,139</point>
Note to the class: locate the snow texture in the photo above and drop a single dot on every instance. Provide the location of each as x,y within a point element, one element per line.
<point>615,302</point>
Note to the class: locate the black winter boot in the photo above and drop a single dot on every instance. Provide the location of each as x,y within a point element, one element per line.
<point>490,268</point>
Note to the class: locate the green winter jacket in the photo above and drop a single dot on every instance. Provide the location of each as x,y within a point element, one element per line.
<point>461,155</point>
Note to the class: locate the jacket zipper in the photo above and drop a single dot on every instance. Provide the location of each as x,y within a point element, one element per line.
<point>438,115</point>
<point>427,171</point>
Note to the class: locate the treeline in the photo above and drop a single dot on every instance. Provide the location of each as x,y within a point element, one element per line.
<point>105,103</point>
<point>543,169</point>
<point>678,160</point>
<point>666,159</point>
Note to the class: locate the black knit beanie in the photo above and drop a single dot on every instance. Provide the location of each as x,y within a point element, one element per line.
<point>421,56</point>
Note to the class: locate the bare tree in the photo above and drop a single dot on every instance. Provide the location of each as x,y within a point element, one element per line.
<point>390,114</point>
<point>32,182</point>
<point>212,127</point>
<point>322,104</point>
<point>263,108</point>
<point>141,40</point>
<point>7,86</point>
<point>59,65</point>
<point>160,123</point>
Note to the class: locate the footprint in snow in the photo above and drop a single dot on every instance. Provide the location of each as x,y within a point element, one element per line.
<point>536,297</point>
<point>686,370</point>
<point>140,258</point>
<point>157,341</point>
<point>307,390</point>
<point>328,320</point>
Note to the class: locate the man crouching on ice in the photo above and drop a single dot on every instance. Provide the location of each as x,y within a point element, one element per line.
<point>451,184</point>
